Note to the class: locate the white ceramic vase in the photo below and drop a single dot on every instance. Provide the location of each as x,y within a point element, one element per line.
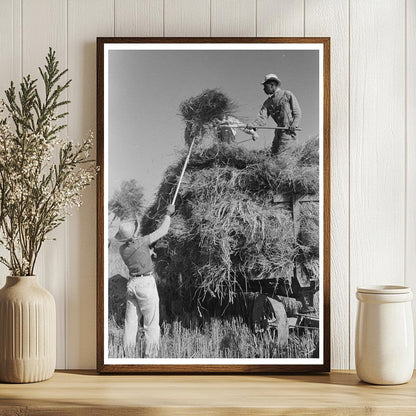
<point>27,331</point>
<point>384,343</point>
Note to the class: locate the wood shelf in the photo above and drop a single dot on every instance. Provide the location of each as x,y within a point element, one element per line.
<point>87,393</point>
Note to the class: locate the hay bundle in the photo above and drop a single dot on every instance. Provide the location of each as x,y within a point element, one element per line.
<point>308,238</point>
<point>200,112</point>
<point>309,227</point>
<point>227,229</point>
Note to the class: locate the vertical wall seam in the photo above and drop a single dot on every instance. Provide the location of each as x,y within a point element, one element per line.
<point>304,18</point>
<point>210,18</point>
<point>405,145</point>
<point>66,222</point>
<point>17,40</point>
<point>12,63</point>
<point>114,18</point>
<point>256,19</point>
<point>21,40</point>
<point>349,184</point>
<point>163,18</point>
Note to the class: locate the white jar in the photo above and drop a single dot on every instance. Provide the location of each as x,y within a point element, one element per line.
<point>384,340</point>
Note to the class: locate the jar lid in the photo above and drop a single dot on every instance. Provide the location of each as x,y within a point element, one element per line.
<point>384,289</point>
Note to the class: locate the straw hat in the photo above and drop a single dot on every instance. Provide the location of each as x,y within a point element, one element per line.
<point>126,230</point>
<point>271,77</point>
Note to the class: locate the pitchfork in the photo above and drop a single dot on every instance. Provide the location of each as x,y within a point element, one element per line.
<point>244,126</point>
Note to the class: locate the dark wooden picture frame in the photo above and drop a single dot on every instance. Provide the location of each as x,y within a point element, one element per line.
<point>103,365</point>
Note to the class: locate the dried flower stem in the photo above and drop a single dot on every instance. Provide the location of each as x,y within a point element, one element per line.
<point>36,193</point>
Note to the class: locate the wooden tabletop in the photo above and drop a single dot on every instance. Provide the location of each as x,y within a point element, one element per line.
<point>86,393</point>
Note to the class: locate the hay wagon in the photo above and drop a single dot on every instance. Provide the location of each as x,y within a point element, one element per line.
<point>237,242</point>
<point>286,305</point>
<point>240,235</point>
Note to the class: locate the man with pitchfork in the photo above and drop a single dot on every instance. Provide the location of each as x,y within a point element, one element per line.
<point>142,295</point>
<point>284,109</point>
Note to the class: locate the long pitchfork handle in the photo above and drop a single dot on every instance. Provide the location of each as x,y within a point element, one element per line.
<point>183,171</point>
<point>242,126</point>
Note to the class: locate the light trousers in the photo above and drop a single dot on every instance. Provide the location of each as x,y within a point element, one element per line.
<point>142,301</point>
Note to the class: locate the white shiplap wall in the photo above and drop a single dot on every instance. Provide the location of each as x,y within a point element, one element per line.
<point>373,132</point>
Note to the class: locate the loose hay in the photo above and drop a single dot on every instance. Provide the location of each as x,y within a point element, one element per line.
<point>202,111</point>
<point>227,230</point>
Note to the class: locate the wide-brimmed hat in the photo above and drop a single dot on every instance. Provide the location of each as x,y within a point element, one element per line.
<point>126,230</point>
<point>271,77</point>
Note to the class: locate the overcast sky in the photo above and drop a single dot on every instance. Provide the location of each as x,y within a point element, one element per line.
<point>146,88</point>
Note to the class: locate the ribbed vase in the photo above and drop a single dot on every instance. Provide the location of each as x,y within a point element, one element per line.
<point>27,331</point>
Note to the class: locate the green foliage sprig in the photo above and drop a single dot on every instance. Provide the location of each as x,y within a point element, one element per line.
<point>42,175</point>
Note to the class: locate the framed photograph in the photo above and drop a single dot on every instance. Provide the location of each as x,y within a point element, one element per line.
<point>213,220</point>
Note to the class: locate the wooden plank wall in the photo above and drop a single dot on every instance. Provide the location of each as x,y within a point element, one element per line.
<point>373,132</point>
<point>410,149</point>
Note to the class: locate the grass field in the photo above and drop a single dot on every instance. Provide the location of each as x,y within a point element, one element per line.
<point>216,339</point>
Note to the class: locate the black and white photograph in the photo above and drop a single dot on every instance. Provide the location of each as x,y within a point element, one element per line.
<point>213,204</point>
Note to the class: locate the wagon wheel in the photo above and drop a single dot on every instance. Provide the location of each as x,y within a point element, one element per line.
<point>269,314</point>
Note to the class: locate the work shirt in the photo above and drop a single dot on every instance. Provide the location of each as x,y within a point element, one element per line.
<point>136,255</point>
<point>283,107</point>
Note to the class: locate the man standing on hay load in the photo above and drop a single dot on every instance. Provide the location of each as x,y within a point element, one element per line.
<point>142,296</point>
<point>284,109</point>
